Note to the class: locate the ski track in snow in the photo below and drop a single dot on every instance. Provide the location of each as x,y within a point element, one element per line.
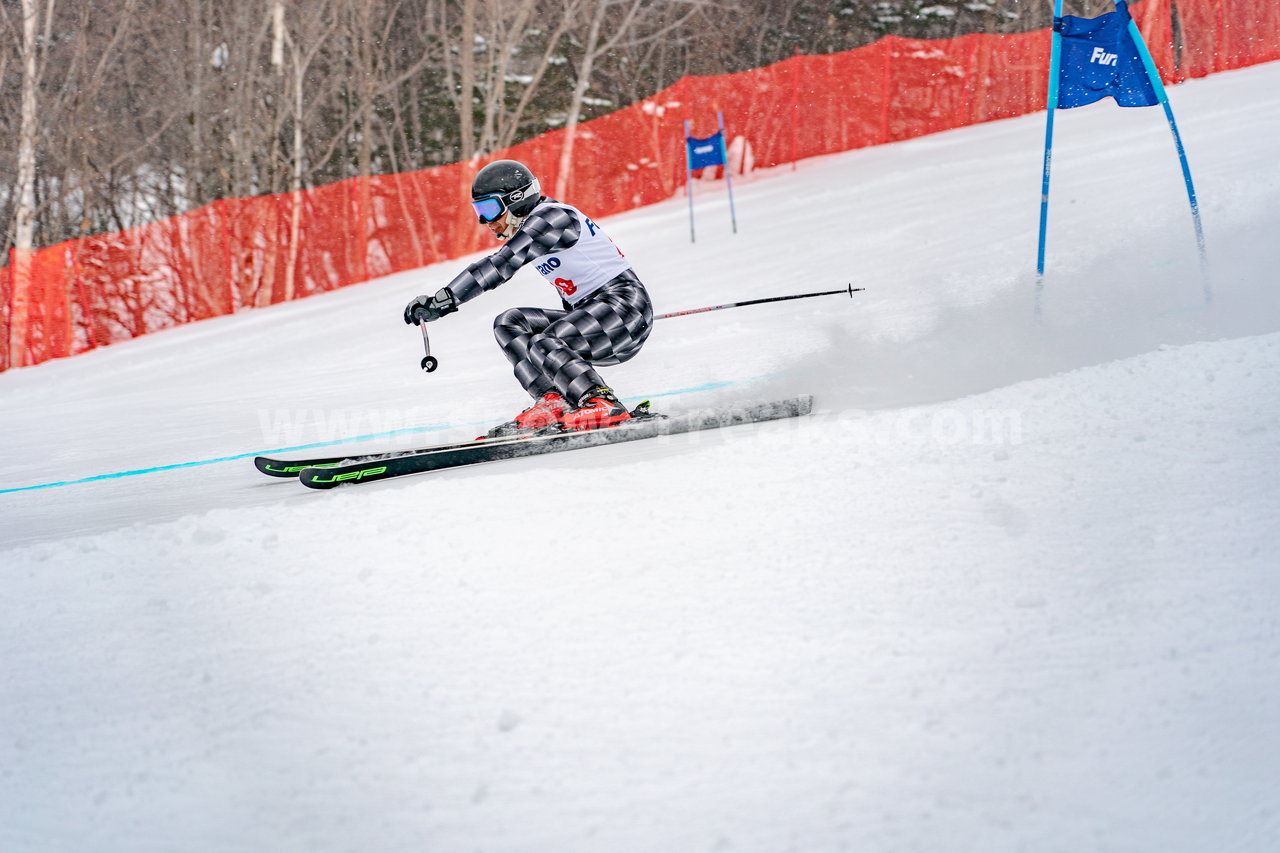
<point>1013,586</point>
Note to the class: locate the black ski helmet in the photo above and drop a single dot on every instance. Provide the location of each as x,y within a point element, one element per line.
<point>511,182</point>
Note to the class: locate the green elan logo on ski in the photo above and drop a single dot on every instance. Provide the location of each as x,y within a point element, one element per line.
<point>352,475</point>
<point>294,469</point>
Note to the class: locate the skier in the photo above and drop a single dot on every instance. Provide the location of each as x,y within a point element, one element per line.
<point>606,314</point>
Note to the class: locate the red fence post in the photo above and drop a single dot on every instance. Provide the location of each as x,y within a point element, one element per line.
<point>86,308</point>
<point>8,337</point>
<point>795,107</point>
<point>364,227</point>
<point>19,307</point>
<point>233,293</point>
<point>886,90</point>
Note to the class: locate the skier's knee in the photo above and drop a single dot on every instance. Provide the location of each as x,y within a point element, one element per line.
<point>542,345</point>
<point>510,320</point>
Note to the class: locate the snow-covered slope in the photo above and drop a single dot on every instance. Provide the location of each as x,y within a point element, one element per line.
<point>1013,586</point>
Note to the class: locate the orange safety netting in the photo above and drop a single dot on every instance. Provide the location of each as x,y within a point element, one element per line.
<point>241,253</point>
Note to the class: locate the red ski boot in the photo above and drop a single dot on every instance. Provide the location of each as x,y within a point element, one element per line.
<point>549,409</point>
<point>598,408</point>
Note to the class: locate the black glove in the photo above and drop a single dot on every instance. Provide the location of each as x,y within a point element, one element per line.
<point>428,308</point>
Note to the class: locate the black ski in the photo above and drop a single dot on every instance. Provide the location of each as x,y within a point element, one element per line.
<point>291,468</point>
<point>273,467</point>
<point>452,456</point>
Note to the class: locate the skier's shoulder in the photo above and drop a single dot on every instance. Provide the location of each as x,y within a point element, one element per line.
<point>552,221</point>
<point>549,208</point>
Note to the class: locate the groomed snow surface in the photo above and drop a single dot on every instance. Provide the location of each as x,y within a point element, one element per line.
<point>1014,586</point>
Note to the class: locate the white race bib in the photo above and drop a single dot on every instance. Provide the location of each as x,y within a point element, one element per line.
<point>585,267</point>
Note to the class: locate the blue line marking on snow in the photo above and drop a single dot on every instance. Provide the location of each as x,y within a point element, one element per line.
<point>710,386</point>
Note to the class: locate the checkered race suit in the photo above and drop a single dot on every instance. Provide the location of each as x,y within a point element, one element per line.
<point>607,315</point>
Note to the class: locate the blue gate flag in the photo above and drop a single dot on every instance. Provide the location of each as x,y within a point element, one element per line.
<point>1096,58</point>
<point>701,153</point>
<point>706,152</point>
<point>1099,60</point>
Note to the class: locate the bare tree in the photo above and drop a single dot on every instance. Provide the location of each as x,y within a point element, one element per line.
<point>313,24</point>
<point>490,47</point>
<point>624,28</point>
<point>24,208</point>
<point>509,123</point>
<point>28,132</point>
<point>467,78</point>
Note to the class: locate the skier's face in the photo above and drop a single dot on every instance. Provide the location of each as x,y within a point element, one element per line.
<point>497,225</point>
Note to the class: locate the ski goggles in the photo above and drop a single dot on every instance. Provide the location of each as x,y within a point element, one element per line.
<point>489,208</point>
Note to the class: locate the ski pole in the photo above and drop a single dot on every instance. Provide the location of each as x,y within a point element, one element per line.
<point>849,290</point>
<point>429,361</point>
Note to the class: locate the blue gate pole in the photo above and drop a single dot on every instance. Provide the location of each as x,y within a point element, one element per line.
<point>1153,74</point>
<point>688,180</point>
<point>724,155</point>
<point>1055,63</point>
